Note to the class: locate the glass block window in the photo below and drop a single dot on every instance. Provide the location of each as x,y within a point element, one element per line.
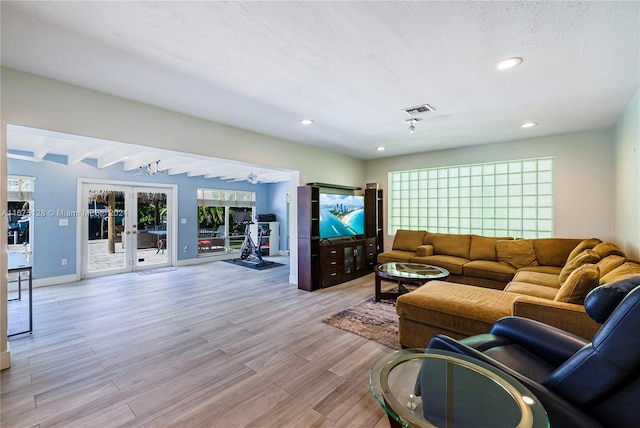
<point>512,198</point>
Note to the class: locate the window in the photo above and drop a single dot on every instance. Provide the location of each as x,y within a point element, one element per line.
<point>220,219</point>
<point>512,198</point>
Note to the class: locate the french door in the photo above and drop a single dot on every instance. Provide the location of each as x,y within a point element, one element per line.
<point>126,228</point>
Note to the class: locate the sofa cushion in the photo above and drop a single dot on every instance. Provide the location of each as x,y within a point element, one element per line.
<point>605,249</point>
<point>555,270</point>
<point>517,253</point>
<point>538,278</point>
<point>408,240</point>
<point>587,256</point>
<point>602,300</point>
<point>553,251</point>
<point>579,283</point>
<point>489,270</point>
<point>624,271</point>
<point>449,244</point>
<point>451,263</point>
<point>463,309</point>
<point>529,289</point>
<point>609,263</point>
<point>484,248</point>
<point>586,244</point>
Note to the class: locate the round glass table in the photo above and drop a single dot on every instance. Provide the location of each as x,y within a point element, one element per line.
<point>436,388</point>
<point>405,273</point>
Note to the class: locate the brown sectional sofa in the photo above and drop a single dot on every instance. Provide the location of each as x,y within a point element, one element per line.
<point>543,279</point>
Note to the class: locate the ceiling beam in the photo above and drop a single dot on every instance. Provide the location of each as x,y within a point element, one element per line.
<point>112,158</point>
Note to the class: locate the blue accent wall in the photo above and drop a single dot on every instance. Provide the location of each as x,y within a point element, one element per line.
<point>55,196</point>
<point>278,206</point>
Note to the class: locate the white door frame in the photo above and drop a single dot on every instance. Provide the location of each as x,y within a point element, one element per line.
<point>82,225</point>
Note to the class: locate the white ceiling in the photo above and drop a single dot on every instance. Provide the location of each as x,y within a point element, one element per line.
<point>350,66</point>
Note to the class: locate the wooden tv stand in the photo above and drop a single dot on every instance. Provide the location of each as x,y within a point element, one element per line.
<point>347,260</point>
<point>322,262</point>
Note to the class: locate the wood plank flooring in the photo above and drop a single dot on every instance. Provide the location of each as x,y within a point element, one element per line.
<point>211,345</point>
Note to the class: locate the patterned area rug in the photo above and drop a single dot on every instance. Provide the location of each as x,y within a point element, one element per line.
<point>371,320</point>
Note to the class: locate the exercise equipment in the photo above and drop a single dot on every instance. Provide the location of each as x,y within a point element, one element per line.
<point>250,252</point>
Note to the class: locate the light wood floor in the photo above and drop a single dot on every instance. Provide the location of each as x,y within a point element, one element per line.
<point>212,345</point>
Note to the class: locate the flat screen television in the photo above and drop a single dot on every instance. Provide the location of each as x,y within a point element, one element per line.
<point>341,216</point>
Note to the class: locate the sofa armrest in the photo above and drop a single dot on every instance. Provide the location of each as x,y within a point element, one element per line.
<point>566,316</point>
<point>424,250</point>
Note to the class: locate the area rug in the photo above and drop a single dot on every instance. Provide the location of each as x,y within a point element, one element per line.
<point>257,266</point>
<point>372,320</point>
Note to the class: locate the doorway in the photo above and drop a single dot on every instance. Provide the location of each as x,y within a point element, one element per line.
<point>125,228</point>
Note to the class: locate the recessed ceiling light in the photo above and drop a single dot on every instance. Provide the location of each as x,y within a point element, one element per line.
<point>508,63</point>
<point>306,122</point>
<point>528,124</point>
<point>380,149</point>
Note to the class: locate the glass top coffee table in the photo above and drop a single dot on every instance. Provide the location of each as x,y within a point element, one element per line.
<point>405,273</point>
<point>443,389</point>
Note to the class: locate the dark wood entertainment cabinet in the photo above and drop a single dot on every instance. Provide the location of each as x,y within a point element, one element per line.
<point>323,263</point>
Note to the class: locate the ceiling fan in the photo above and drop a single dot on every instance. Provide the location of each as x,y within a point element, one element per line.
<point>252,178</point>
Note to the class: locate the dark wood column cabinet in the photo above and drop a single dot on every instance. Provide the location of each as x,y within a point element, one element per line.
<point>323,263</point>
<point>308,238</point>
<point>373,217</point>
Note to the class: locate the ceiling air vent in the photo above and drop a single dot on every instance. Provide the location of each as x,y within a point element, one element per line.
<point>415,111</point>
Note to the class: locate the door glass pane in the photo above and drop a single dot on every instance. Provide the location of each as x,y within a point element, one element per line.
<point>18,221</point>
<point>348,259</point>
<point>106,249</point>
<point>151,240</point>
<point>359,257</point>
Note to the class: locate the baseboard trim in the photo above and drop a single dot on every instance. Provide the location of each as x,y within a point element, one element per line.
<point>53,280</point>
<point>5,358</point>
<point>207,259</point>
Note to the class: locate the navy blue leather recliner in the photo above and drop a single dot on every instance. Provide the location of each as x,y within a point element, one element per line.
<point>580,383</point>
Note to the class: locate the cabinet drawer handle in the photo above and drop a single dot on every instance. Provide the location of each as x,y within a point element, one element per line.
<point>334,251</point>
<point>334,263</point>
<point>334,274</point>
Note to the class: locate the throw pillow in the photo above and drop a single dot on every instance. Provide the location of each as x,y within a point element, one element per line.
<point>609,263</point>
<point>602,300</point>
<point>586,244</point>
<point>579,283</point>
<point>517,253</point>
<point>626,270</point>
<point>587,256</point>
<point>605,249</point>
